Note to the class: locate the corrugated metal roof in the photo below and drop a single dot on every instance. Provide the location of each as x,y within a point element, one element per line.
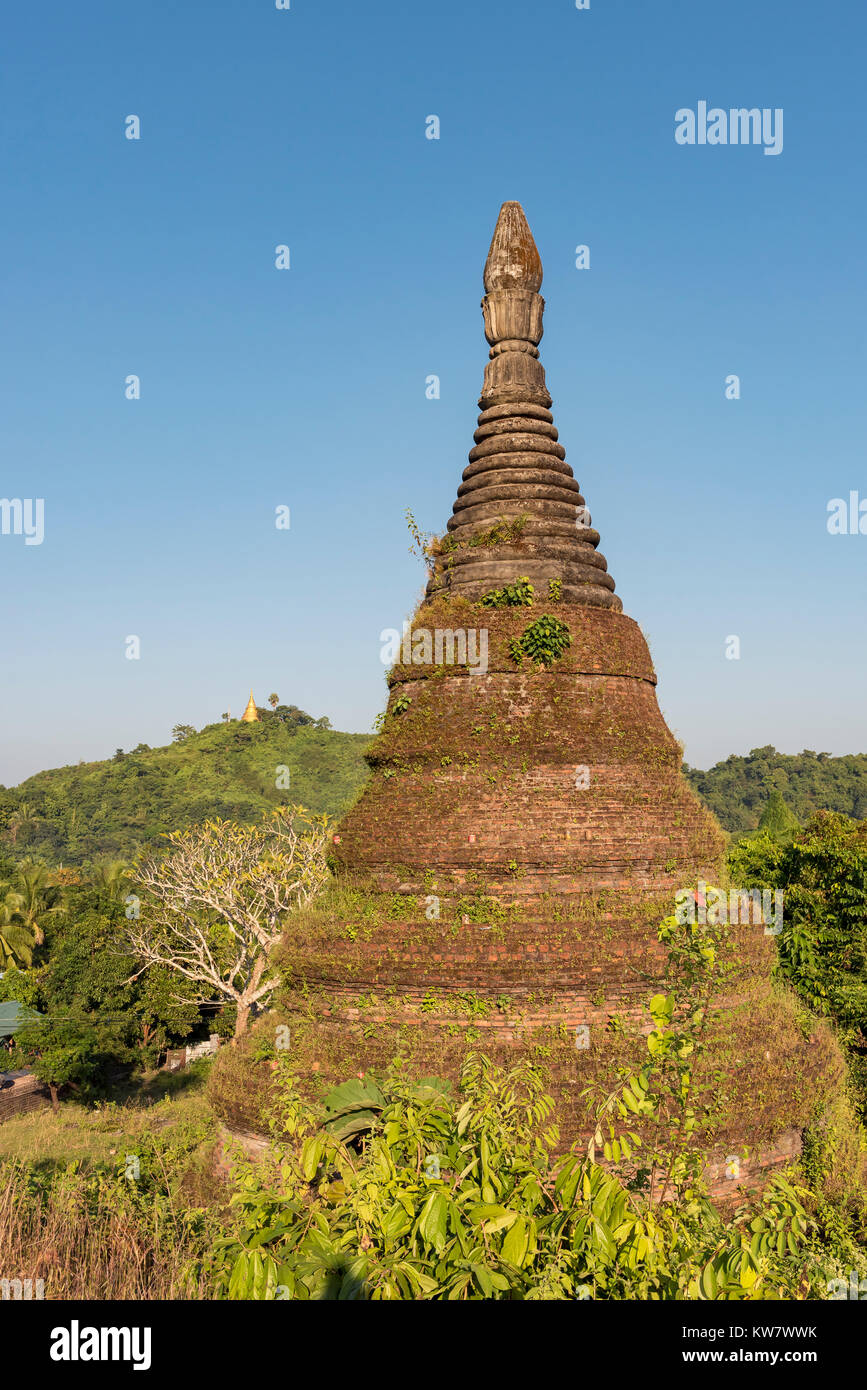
<point>13,1016</point>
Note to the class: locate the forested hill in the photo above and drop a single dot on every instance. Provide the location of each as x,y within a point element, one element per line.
<point>737,790</point>
<point>105,810</point>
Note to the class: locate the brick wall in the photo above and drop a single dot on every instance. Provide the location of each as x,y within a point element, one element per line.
<point>25,1094</point>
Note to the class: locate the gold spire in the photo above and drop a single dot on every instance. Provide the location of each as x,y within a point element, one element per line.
<point>251,713</point>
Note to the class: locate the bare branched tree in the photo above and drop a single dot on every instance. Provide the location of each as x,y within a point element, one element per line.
<point>214,906</point>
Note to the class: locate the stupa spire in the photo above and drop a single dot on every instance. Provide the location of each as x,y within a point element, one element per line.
<point>251,714</point>
<point>518,479</point>
<point>513,260</point>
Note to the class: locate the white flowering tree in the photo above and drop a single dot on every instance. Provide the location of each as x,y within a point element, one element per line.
<point>214,905</point>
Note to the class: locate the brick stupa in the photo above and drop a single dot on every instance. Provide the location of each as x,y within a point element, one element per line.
<point>526,779</point>
<point>526,826</point>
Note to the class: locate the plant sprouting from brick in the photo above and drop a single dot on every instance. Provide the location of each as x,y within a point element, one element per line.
<point>423,543</point>
<point>519,594</point>
<point>502,532</point>
<point>543,641</point>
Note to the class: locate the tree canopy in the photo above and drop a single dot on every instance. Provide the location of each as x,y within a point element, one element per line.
<point>739,789</point>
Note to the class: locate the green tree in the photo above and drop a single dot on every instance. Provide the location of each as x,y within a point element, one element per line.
<point>823,945</point>
<point>16,938</point>
<point>22,819</point>
<point>24,985</point>
<point>89,975</point>
<point>822,948</point>
<point>41,898</point>
<point>111,879</point>
<point>778,821</point>
<point>60,1052</point>
<point>167,1011</point>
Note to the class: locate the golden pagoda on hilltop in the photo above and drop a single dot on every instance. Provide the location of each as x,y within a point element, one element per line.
<point>251,714</point>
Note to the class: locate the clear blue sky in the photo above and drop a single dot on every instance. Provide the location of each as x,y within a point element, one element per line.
<point>306,387</point>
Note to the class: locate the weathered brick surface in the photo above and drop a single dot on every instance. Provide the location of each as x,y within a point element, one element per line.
<point>728,1182</point>
<point>25,1094</point>
<point>549,893</point>
<point>483,772</point>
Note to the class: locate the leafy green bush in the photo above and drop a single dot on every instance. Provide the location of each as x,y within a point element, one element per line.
<point>543,641</point>
<point>778,821</point>
<point>451,1201</point>
<point>823,943</point>
<point>516,595</point>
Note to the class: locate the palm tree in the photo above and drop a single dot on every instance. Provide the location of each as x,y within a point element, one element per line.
<point>23,815</point>
<point>111,878</point>
<point>273,699</point>
<point>16,939</point>
<point>40,898</point>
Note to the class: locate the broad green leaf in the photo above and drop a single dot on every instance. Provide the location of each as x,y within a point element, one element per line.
<point>355,1094</point>
<point>708,1282</point>
<point>516,1242</point>
<point>662,1008</point>
<point>483,1277</point>
<point>433,1222</point>
<point>311,1156</point>
<point>239,1278</point>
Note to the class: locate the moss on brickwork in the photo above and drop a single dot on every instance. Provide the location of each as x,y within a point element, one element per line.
<point>500,884</point>
<point>768,1068</point>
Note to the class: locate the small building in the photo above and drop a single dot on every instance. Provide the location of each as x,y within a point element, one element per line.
<point>20,1091</point>
<point>14,1015</point>
<point>180,1057</point>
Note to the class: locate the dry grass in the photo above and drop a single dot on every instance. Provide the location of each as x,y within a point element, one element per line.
<point>75,1135</point>
<point>70,1216</point>
<point>88,1239</point>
